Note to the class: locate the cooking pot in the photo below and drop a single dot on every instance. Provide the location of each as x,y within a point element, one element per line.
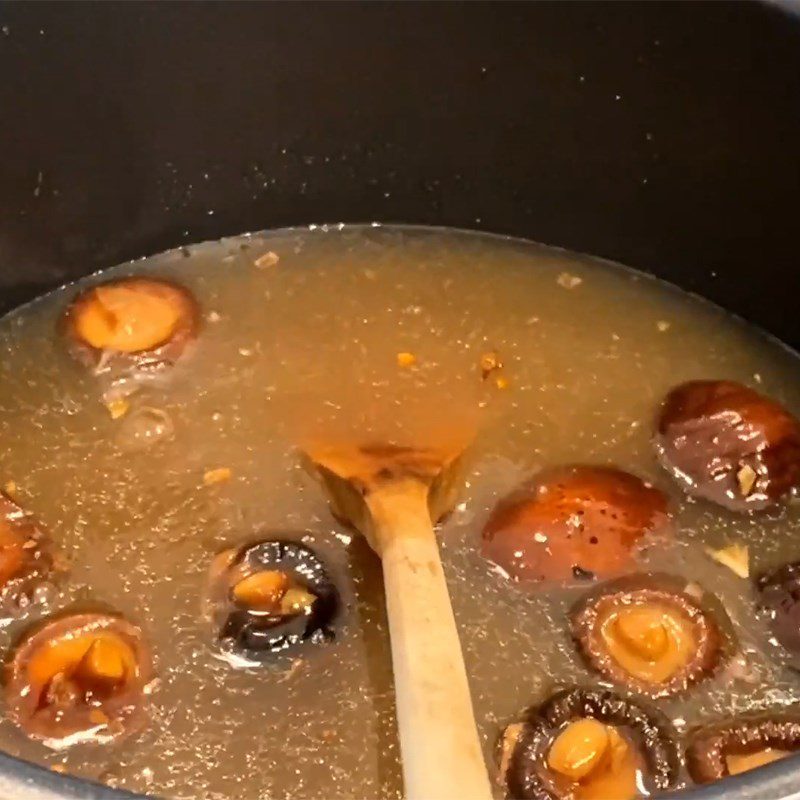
<point>663,136</point>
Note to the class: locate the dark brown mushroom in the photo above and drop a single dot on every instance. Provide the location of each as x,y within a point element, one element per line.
<point>577,522</point>
<point>738,745</point>
<point>729,444</point>
<point>268,597</point>
<point>79,678</point>
<point>590,745</point>
<point>26,559</point>
<point>780,599</point>
<point>646,634</point>
<point>132,323</point>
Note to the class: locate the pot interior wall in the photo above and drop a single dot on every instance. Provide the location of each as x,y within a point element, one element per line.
<point>660,135</point>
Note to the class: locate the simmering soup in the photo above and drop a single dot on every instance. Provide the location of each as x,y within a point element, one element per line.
<point>140,478</point>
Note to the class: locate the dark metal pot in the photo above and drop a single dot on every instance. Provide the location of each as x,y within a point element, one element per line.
<point>664,136</point>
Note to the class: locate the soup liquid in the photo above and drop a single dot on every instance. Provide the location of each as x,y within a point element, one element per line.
<point>302,336</point>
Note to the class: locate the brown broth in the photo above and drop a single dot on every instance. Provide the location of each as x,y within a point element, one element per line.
<point>308,345</point>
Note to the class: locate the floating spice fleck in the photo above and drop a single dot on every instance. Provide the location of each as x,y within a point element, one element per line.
<point>736,557</point>
<point>269,259</point>
<point>118,407</point>
<point>569,281</point>
<point>219,475</point>
<point>490,362</point>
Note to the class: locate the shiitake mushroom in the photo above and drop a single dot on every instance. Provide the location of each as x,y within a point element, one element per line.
<point>779,597</point>
<point>729,444</point>
<point>268,597</point>
<point>576,522</point>
<point>590,745</point>
<point>80,677</point>
<point>738,745</point>
<point>131,323</point>
<point>646,634</point>
<point>26,559</point>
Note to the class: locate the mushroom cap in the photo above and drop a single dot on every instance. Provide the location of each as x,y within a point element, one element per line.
<point>649,730</point>
<point>181,333</point>
<point>692,643</point>
<point>729,444</point>
<point>574,522</point>
<point>780,598</point>
<point>55,650</point>
<point>26,557</point>
<point>250,635</point>
<point>710,747</point>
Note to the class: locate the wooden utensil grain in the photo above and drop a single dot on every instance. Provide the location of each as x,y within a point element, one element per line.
<point>394,495</point>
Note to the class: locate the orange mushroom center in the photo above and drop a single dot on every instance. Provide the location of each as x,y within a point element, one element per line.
<point>597,760</point>
<point>129,317</point>
<point>651,641</point>
<point>742,762</point>
<point>72,670</point>
<point>274,592</point>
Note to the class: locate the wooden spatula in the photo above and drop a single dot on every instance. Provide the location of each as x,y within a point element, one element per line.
<point>393,495</point>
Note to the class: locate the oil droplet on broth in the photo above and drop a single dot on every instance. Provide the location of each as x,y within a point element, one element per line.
<point>384,334</point>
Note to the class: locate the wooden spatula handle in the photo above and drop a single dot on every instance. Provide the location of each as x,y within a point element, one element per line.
<point>442,758</point>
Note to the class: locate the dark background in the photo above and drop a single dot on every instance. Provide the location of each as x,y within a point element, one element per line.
<point>665,136</point>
